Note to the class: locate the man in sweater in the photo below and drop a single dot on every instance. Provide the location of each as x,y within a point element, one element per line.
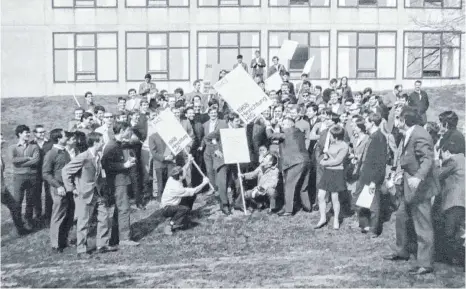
<point>25,158</point>
<point>63,204</point>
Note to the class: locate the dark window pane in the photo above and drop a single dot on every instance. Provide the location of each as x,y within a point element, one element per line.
<point>300,57</point>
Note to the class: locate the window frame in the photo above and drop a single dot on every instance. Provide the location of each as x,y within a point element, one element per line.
<point>309,39</point>
<point>429,7</point>
<point>75,52</point>
<point>370,6</point>
<point>218,47</point>
<point>300,6</point>
<point>148,49</point>
<point>228,6</point>
<point>84,7</point>
<point>158,7</point>
<point>422,47</point>
<point>376,47</point>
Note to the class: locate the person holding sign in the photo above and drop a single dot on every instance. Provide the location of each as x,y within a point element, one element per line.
<point>295,165</point>
<point>276,67</point>
<point>174,196</point>
<point>267,180</point>
<point>239,58</point>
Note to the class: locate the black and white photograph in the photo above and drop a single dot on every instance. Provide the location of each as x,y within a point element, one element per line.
<point>233,143</point>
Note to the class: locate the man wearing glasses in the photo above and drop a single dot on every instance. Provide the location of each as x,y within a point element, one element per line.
<point>106,129</point>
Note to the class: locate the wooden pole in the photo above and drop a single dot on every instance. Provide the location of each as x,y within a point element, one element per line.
<point>200,171</point>
<point>242,189</point>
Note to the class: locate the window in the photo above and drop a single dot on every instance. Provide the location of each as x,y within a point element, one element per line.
<point>433,4</point>
<point>157,3</point>
<point>299,3</point>
<point>84,3</point>
<point>85,57</point>
<point>432,55</point>
<point>223,47</point>
<point>165,55</point>
<point>367,3</point>
<point>311,44</point>
<point>229,3</point>
<point>366,55</point>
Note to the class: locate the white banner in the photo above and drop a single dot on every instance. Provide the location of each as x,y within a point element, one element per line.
<point>242,94</point>
<point>235,145</point>
<point>171,131</point>
<point>308,66</point>
<point>287,50</point>
<point>274,82</point>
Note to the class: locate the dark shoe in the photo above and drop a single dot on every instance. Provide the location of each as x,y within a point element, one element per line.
<point>394,257</point>
<point>226,211</point>
<point>320,225</point>
<point>421,270</point>
<point>107,249</point>
<point>86,255</point>
<point>307,210</point>
<point>141,207</point>
<point>238,208</point>
<point>24,231</point>
<point>57,250</point>
<point>315,208</point>
<point>27,226</point>
<point>374,236</point>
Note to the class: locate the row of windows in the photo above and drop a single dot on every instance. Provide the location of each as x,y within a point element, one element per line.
<point>93,57</point>
<point>255,3</point>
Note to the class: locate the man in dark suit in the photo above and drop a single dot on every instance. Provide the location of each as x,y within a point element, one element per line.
<point>372,174</point>
<point>420,101</point>
<point>449,121</point>
<point>209,144</point>
<point>416,159</point>
<point>117,169</point>
<point>63,204</point>
<point>257,137</point>
<point>83,176</point>
<point>258,65</point>
<point>295,166</point>
<point>198,135</point>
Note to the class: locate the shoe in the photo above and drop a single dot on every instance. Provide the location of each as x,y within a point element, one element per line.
<point>315,208</point>
<point>394,257</point>
<point>24,232</point>
<point>168,230</point>
<point>336,225</point>
<point>27,226</point>
<point>128,243</point>
<point>71,243</point>
<point>365,230</point>
<point>107,249</point>
<point>285,214</point>
<point>307,210</point>
<point>141,207</point>
<point>320,225</point>
<point>238,208</point>
<point>225,211</point>
<point>86,255</point>
<point>421,270</point>
<point>271,211</point>
<point>374,236</point>
<point>57,250</point>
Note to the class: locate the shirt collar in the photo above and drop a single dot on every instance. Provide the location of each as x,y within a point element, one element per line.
<point>20,143</point>
<point>60,147</point>
<point>408,133</point>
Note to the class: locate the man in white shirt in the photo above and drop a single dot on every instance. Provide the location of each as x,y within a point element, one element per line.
<point>107,127</point>
<point>172,198</point>
<point>133,102</point>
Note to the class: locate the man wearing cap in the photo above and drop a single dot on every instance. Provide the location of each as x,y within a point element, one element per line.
<point>147,88</point>
<point>239,58</point>
<point>174,195</point>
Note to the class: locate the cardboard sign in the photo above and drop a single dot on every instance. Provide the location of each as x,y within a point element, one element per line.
<point>308,66</point>
<point>243,95</point>
<point>235,145</point>
<point>287,50</point>
<point>211,72</point>
<point>274,82</point>
<point>171,131</point>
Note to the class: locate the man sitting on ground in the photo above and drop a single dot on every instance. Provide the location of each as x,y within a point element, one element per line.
<point>267,179</point>
<point>173,197</point>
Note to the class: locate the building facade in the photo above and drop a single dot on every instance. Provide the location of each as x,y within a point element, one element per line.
<point>61,47</point>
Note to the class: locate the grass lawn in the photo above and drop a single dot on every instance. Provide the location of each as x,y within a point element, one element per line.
<point>238,251</point>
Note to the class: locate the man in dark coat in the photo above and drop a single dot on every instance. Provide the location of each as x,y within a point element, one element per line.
<point>420,101</point>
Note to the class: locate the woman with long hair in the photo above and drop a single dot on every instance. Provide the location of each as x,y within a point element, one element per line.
<point>345,88</point>
<point>333,179</point>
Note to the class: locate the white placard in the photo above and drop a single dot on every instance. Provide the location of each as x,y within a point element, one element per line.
<point>287,50</point>
<point>235,145</point>
<point>365,198</point>
<point>243,95</point>
<point>274,82</point>
<point>308,66</point>
<point>171,131</point>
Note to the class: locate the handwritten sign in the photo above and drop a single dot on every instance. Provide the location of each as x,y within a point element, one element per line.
<point>235,145</point>
<point>171,131</point>
<point>242,94</point>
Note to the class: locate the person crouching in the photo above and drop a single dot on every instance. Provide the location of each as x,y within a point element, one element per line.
<point>173,195</point>
<point>267,179</point>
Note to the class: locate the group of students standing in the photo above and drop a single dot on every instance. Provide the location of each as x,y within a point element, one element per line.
<point>313,149</point>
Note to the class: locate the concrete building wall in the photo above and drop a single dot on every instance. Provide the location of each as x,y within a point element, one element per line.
<point>27,41</point>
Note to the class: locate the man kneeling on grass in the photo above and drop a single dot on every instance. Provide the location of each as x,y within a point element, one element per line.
<point>267,179</point>
<point>175,195</point>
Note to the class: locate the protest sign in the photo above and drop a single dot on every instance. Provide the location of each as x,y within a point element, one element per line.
<point>308,66</point>
<point>235,145</point>
<point>211,72</point>
<point>274,82</point>
<point>242,94</point>
<point>171,131</point>
<point>287,50</point>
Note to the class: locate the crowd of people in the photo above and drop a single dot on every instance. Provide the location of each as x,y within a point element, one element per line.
<point>314,150</point>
